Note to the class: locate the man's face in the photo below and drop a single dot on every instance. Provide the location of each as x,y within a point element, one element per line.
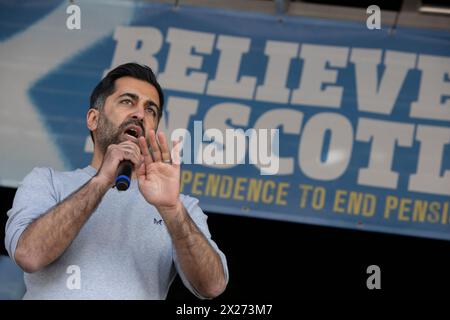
<point>131,111</point>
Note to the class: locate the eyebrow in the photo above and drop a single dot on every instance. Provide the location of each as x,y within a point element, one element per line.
<point>135,98</point>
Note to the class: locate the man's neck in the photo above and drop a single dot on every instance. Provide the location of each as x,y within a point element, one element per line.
<point>97,160</point>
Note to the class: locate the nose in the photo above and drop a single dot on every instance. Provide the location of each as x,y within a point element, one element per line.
<point>138,113</point>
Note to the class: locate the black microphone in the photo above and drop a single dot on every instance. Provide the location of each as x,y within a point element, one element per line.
<point>123,179</point>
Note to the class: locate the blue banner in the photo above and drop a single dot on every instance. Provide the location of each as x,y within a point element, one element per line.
<point>362,115</point>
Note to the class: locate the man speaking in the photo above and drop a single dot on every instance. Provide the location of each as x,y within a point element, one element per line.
<point>123,244</point>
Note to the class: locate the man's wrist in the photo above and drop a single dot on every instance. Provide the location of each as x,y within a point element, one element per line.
<point>171,213</point>
<point>101,183</point>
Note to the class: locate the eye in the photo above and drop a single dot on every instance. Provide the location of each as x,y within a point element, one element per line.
<point>126,101</point>
<point>151,110</point>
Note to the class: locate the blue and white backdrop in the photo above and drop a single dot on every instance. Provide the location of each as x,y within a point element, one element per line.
<point>363,115</point>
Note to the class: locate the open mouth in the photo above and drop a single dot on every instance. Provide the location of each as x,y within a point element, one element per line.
<point>133,131</point>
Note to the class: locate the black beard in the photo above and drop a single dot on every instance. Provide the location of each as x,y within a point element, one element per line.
<point>108,133</point>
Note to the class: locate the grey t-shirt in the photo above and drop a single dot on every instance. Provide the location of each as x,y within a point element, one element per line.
<point>123,251</point>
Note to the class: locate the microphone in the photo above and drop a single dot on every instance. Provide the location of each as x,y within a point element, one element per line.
<point>123,179</point>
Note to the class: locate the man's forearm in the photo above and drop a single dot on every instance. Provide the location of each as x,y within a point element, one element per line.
<point>199,261</point>
<point>44,240</point>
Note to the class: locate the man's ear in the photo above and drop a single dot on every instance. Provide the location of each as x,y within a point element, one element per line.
<point>92,119</point>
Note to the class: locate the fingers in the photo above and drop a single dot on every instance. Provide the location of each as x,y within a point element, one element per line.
<point>116,153</point>
<point>156,152</point>
<point>159,149</point>
<point>176,152</point>
<point>165,153</point>
<point>131,151</point>
<point>141,172</point>
<point>144,150</point>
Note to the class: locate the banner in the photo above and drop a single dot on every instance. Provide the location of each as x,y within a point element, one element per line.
<point>362,115</point>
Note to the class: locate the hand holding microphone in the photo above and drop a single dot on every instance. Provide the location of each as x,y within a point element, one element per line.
<point>118,162</point>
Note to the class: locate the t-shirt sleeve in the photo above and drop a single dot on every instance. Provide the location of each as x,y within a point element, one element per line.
<point>200,219</point>
<point>33,198</point>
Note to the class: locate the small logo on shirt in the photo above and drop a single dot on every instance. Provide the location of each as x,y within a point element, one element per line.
<point>156,221</point>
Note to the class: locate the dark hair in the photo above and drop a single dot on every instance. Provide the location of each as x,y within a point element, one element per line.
<point>106,86</point>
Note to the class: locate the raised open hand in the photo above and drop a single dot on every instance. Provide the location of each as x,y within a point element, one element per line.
<point>159,174</point>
